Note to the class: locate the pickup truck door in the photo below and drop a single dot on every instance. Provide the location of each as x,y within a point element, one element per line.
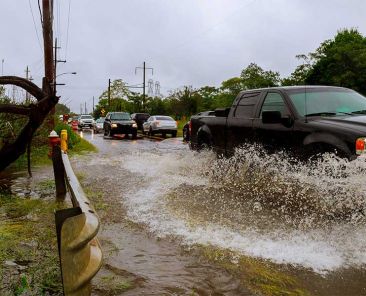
<point>239,129</point>
<point>274,136</point>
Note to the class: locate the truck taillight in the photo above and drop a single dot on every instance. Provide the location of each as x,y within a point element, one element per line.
<point>360,146</point>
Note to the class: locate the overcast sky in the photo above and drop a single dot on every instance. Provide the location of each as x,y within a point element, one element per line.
<point>187,42</point>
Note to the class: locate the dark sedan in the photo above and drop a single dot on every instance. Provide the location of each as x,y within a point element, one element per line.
<point>119,123</point>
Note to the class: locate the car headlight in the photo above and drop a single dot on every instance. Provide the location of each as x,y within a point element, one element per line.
<point>134,125</point>
<point>114,125</point>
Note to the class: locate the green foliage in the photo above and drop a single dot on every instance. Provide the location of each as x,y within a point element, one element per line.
<point>254,76</point>
<point>341,61</point>
<point>27,235</point>
<point>299,76</point>
<point>61,109</point>
<point>72,138</point>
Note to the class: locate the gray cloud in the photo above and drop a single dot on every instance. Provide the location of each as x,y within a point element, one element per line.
<point>187,42</point>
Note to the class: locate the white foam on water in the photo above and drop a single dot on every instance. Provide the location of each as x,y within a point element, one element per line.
<point>321,249</point>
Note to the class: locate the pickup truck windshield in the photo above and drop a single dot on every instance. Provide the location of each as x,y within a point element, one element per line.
<point>331,102</point>
<point>121,116</point>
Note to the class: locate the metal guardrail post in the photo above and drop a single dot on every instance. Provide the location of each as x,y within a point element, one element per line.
<point>79,249</point>
<point>59,172</point>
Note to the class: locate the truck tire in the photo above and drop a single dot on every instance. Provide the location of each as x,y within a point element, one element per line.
<point>204,142</point>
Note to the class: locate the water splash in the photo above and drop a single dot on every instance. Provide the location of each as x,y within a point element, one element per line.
<point>267,206</point>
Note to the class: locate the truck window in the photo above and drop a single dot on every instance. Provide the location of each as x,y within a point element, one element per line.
<point>246,105</point>
<point>274,102</point>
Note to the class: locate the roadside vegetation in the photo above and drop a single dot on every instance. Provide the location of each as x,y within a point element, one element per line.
<point>40,147</point>
<point>29,262</point>
<point>28,245</point>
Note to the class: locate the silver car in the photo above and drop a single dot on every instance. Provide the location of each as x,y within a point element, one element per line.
<point>98,125</point>
<point>160,124</point>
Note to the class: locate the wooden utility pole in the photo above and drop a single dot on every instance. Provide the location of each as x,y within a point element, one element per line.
<point>47,9</point>
<point>49,68</point>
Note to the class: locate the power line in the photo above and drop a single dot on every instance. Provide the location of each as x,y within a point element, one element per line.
<point>35,27</point>
<point>67,33</point>
<point>40,13</point>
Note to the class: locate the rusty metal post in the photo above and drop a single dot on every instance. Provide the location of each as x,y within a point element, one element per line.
<point>59,172</point>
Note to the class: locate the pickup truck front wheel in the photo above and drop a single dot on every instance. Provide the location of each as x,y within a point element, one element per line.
<point>314,152</point>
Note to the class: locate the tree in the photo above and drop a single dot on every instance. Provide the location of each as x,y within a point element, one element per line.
<point>36,113</point>
<point>254,76</point>
<point>341,61</point>
<point>299,76</point>
<point>61,109</point>
<point>119,99</point>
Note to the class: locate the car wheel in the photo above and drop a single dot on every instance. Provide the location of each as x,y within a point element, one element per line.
<point>164,135</point>
<point>151,132</point>
<point>105,132</point>
<point>134,135</point>
<point>174,134</point>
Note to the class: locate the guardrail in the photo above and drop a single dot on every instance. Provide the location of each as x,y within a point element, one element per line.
<point>79,249</point>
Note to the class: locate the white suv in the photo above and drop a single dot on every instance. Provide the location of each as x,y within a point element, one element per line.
<point>85,121</point>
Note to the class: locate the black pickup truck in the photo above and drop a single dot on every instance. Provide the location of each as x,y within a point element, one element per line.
<point>303,120</point>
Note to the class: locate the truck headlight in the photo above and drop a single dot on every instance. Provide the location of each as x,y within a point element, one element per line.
<point>360,146</point>
<point>114,125</point>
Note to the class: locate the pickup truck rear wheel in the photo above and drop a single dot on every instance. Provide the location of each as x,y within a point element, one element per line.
<point>204,143</point>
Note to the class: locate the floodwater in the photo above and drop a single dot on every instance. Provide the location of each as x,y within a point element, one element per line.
<point>269,207</point>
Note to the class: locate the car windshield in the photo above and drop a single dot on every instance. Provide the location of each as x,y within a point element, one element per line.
<point>327,102</point>
<point>100,120</point>
<point>164,118</point>
<point>121,116</point>
<point>86,117</point>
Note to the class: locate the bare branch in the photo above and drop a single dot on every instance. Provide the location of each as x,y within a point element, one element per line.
<point>14,109</point>
<point>27,85</point>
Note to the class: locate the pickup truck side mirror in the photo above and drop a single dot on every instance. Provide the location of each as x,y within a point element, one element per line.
<point>271,117</point>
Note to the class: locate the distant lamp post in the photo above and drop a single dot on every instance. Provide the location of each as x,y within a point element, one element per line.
<point>73,73</point>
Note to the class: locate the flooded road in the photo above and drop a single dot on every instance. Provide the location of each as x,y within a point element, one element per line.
<point>169,201</point>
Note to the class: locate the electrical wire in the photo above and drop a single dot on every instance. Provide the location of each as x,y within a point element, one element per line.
<point>40,13</point>
<point>35,26</point>
<point>67,32</point>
